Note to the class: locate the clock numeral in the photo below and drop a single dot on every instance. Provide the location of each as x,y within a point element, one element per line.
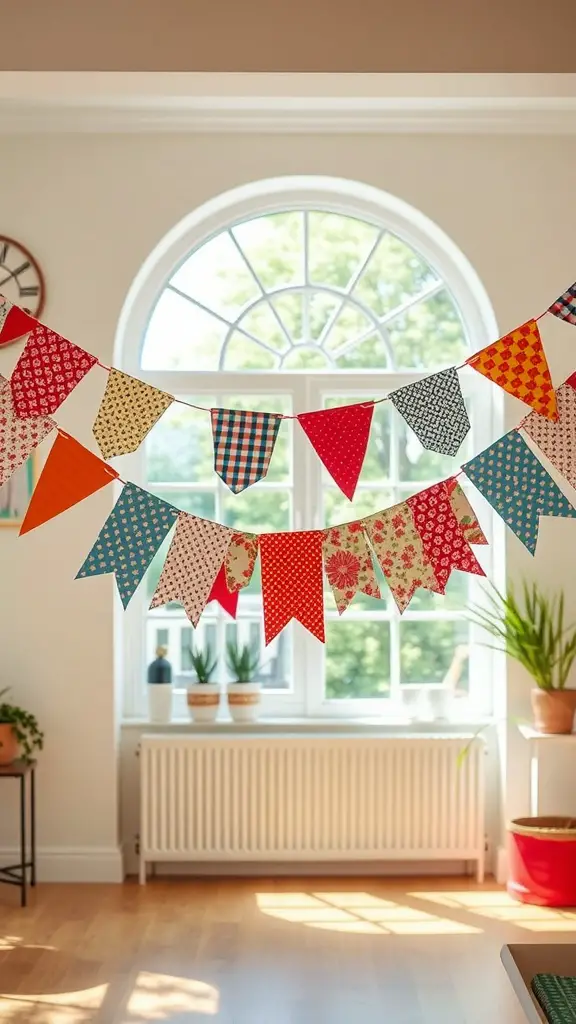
<point>21,268</point>
<point>4,249</point>
<point>31,290</point>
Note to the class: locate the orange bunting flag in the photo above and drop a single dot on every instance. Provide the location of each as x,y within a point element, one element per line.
<point>71,474</point>
<point>517,363</point>
<point>292,581</point>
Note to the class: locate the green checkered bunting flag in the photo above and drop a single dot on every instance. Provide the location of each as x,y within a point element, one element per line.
<point>243,445</point>
<point>129,539</point>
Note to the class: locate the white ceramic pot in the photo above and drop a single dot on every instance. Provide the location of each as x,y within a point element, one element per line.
<point>203,701</point>
<point>160,703</point>
<point>244,701</point>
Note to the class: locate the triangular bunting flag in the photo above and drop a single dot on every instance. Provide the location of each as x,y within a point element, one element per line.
<point>558,439</point>
<point>14,322</point>
<point>348,564</point>
<point>129,539</point>
<point>128,411</point>
<point>18,438</point>
<point>464,512</point>
<point>517,486</point>
<point>442,538</point>
<point>243,445</point>
<point>71,473</point>
<point>434,409</point>
<point>564,307</point>
<point>192,564</point>
<point>47,371</point>
<point>339,437</point>
<point>517,363</point>
<point>400,553</point>
<point>240,560</point>
<point>226,599</point>
<point>292,581</point>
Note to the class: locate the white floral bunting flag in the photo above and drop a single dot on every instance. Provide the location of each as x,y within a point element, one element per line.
<point>348,564</point>
<point>192,564</point>
<point>434,408</point>
<point>464,512</point>
<point>240,560</point>
<point>18,437</point>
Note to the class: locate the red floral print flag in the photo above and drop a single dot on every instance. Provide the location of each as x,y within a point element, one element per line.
<point>292,581</point>
<point>348,564</point>
<point>340,437</point>
<point>441,534</point>
<point>47,371</point>
<point>400,553</point>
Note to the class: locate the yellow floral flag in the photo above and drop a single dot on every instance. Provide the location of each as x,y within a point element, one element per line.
<point>517,363</point>
<point>128,411</point>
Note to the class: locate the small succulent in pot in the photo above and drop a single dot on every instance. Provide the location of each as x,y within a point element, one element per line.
<point>19,732</point>
<point>203,696</point>
<point>243,662</point>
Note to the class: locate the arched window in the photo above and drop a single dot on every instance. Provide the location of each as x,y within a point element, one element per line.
<point>292,295</point>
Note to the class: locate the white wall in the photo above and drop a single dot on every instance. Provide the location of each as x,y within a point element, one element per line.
<point>91,209</point>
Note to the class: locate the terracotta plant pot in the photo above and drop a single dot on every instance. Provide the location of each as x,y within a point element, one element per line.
<point>8,744</point>
<point>542,861</point>
<point>553,710</point>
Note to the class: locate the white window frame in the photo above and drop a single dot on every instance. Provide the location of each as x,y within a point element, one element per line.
<point>307,390</point>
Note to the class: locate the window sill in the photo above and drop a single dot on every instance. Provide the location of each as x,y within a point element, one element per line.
<point>303,726</point>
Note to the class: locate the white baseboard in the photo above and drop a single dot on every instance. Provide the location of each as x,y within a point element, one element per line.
<point>296,869</point>
<point>73,864</point>
<point>501,865</point>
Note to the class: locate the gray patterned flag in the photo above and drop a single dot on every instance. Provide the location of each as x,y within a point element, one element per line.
<point>434,409</point>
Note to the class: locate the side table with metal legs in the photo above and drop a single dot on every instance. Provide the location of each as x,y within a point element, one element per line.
<point>17,874</point>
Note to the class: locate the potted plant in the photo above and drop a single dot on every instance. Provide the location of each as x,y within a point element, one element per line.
<point>203,696</point>
<point>160,688</point>
<point>532,630</point>
<point>19,733</point>
<point>243,692</point>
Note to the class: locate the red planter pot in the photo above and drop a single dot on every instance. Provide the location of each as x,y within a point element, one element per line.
<point>542,861</point>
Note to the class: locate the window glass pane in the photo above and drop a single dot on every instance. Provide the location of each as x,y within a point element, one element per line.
<point>428,336</point>
<point>161,638</point>
<point>435,652</point>
<point>218,277</point>
<point>394,274</point>
<point>274,247</point>
<point>372,353</point>
<point>186,644</point>
<point>181,336</point>
<point>303,357</point>
<point>351,326</point>
<point>337,246</point>
<point>242,353</point>
<point>357,659</point>
<point>456,597</point>
<point>179,446</point>
<point>256,510</point>
<point>338,509</point>
<point>417,463</point>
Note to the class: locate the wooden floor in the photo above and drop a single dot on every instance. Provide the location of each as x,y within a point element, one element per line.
<point>261,951</point>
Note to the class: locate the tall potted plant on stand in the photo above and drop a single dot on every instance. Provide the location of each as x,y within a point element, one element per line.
<point>532,630</point>
<point>243,692</point>
<point>203,696</point>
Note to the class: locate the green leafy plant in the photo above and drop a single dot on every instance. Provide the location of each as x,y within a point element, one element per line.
<point>203,663</point>
<point>531,629</point>
<point>243,661</point>
<point>24,727</point>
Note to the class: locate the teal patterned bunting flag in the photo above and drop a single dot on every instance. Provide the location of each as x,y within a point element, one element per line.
<point>129,539</point>
<point>517,486</point>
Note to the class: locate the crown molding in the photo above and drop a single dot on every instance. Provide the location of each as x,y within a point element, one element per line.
<point>42,103</point>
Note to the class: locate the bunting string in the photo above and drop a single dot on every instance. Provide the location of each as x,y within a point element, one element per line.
<point>417,543</point>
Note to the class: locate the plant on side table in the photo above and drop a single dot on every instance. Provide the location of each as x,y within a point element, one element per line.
<point>531,629</point>
<point>243,692</point>
<point>203,696</point>
<point>19,732</point>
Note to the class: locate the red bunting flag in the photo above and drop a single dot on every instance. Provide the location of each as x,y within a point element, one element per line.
<point>49,368</point>
<point>227,599</point>
<point>292,581</point>
<point>71,474</point>
<point>442,535</point>
<point>340,438</point>
<point>14,322</point>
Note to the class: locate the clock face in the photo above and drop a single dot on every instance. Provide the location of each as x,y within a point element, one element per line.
<point>21,279</point>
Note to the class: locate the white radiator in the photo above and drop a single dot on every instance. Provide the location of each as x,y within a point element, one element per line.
<point>311,798</point>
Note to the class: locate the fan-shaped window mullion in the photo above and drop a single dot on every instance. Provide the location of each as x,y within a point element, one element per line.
<point>263,290</point>
<point>349,289</point>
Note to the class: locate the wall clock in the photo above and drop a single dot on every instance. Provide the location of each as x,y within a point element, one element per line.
<point>21,280</point>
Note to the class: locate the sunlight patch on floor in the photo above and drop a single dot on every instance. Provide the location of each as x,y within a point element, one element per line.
<point>161,996</point>
<point>357,912</point>
<point>499,906</point>
<point>63,1008</point>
